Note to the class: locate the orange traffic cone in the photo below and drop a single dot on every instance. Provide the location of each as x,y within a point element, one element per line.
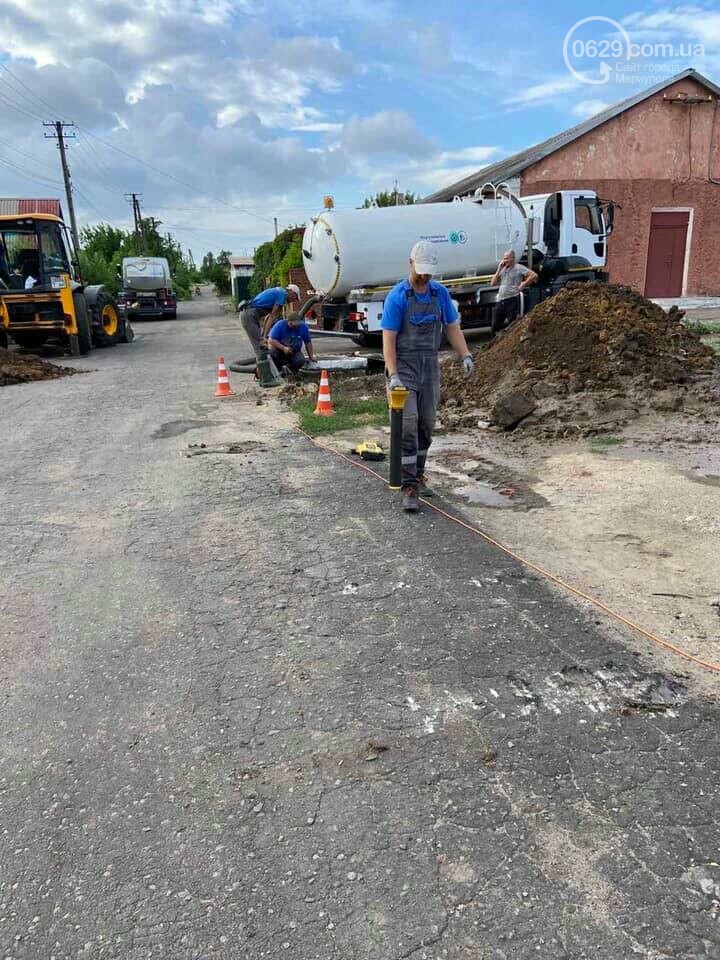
<point>223,382</point>
<point>324,407</point>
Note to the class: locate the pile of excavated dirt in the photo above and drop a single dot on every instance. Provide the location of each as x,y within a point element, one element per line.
<point>592,357</point>
<point>19,368</point>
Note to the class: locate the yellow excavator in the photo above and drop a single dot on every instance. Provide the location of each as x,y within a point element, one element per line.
<point>42,297</point>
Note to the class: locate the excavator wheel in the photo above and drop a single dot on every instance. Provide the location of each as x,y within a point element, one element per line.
<point>83,342</point>
<point>107,323</point>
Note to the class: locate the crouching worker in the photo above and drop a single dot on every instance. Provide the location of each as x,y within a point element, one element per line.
<point>417,312</point>
<point>260,314</point>
<point>286,340</point>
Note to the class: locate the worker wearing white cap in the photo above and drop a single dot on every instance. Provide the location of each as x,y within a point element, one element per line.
<point>416,313</point>
<point>267,304</point>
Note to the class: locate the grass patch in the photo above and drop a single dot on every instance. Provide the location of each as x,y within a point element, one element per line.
<point>703,327</point>
<point>348,414</point>
<point>713,342</point>
<point>605,442</point>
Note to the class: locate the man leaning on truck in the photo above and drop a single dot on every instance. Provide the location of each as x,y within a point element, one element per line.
<point>513,277</point>
<point>267,304</point>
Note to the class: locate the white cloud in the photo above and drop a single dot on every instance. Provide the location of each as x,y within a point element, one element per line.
<point>390,131</point>
<point>588,108</point>
<point>544,91</point>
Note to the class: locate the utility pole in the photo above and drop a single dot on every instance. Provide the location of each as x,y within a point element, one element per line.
<point>61,137</point>
<point>275,219</point>
<point>134,199</point>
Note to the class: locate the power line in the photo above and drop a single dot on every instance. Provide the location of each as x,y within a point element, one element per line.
<point>53,110</point>
<point>19,110</point>
<point>171,176</point>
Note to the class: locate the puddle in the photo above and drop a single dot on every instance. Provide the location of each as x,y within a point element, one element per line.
<point>482,494</point>
<point>174,428</point>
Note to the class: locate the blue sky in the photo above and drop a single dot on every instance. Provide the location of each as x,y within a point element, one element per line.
<point>227,113</point>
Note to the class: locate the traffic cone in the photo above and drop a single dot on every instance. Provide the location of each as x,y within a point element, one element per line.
<point>324,407</point>
<point>223,382</point>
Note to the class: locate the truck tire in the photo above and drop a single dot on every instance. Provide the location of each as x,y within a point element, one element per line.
<point>107,325</point>
<point>3,338</point>
<point>128,334</point>
<point>82,316</point>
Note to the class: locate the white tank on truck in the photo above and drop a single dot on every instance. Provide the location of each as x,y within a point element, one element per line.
<point>346,249</point>
<point>146,273</point>
<point>353,257</point>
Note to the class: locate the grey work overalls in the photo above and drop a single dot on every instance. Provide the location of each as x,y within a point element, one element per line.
<point>417,345</point>
<point>251,319</point>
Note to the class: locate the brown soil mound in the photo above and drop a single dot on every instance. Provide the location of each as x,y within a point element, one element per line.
<point>20,368</point>
<point>592,348</point>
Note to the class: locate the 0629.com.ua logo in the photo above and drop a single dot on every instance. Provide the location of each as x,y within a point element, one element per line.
<point>598,48</point>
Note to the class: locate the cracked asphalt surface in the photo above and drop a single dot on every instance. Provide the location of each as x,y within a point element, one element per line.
<point>250,710</point>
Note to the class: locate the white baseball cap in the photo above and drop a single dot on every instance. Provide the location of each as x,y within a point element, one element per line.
<point>294,288</point>
<point>424,258</point>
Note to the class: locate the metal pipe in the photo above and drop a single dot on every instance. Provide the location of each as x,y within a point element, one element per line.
<point>397,398</point>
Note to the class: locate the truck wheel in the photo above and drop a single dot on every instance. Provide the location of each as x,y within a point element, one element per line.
<point>3,338</point>
<point>82,316</point>
<point>127,334</point>
<point>107,326</point>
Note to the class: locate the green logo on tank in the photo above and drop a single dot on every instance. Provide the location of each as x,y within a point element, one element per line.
<point>454,237</point>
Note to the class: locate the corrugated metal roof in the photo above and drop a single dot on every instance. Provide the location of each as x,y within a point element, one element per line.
<point>511,166</point>
<point>23,206</point>
<point>242,262</point>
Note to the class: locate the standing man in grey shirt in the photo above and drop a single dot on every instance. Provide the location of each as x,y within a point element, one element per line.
<point>512,277</point>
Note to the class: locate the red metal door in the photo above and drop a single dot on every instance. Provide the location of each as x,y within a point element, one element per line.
<point>666,254</point>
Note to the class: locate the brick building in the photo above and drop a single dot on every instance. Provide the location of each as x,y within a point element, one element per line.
<point>657,155</point>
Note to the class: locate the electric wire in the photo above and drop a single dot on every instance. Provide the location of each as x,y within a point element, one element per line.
<point>53,110</point>
<point>171,176</point>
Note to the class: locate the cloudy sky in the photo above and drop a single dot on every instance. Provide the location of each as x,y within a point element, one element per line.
<point>226,113</point>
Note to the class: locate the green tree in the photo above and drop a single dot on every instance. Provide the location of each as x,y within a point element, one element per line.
<point>275,259</point>
<point>103,249</point>
<point>390,198</point>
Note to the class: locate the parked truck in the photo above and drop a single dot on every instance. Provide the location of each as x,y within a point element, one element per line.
<point>147,289</point>
<point>352,258</point>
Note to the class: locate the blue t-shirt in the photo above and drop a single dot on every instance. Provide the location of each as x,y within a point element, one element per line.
<point>289,336</point>
<point>396,301</point>
<point>269,298</point>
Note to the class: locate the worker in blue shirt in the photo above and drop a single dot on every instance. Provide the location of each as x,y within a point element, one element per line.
<point>286,340</point>
<point>261,313</point>
<point>416,314</point>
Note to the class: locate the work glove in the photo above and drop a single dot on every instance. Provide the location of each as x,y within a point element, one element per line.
<point>468,365</point>
<point>394,382</point>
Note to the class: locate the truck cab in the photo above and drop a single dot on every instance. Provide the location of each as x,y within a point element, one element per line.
<point>569,223</point>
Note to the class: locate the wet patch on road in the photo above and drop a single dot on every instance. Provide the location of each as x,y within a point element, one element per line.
<point>175,428</point>
<point>235,447</point>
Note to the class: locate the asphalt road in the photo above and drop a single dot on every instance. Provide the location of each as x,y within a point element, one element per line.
<point>250,710</point>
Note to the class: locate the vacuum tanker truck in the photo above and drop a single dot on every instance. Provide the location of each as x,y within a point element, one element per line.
<point>147,289</point>
<point>354,257</point>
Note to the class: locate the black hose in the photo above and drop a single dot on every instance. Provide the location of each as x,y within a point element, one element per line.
<point>309,304</point>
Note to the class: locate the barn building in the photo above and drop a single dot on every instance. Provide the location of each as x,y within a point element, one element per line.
<point>657,155</point>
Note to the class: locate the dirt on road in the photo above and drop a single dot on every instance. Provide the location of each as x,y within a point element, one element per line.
<point>24,368</point>
<point>591,357</point>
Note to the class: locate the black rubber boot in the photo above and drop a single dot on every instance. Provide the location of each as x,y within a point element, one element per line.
<point>410,499</point>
